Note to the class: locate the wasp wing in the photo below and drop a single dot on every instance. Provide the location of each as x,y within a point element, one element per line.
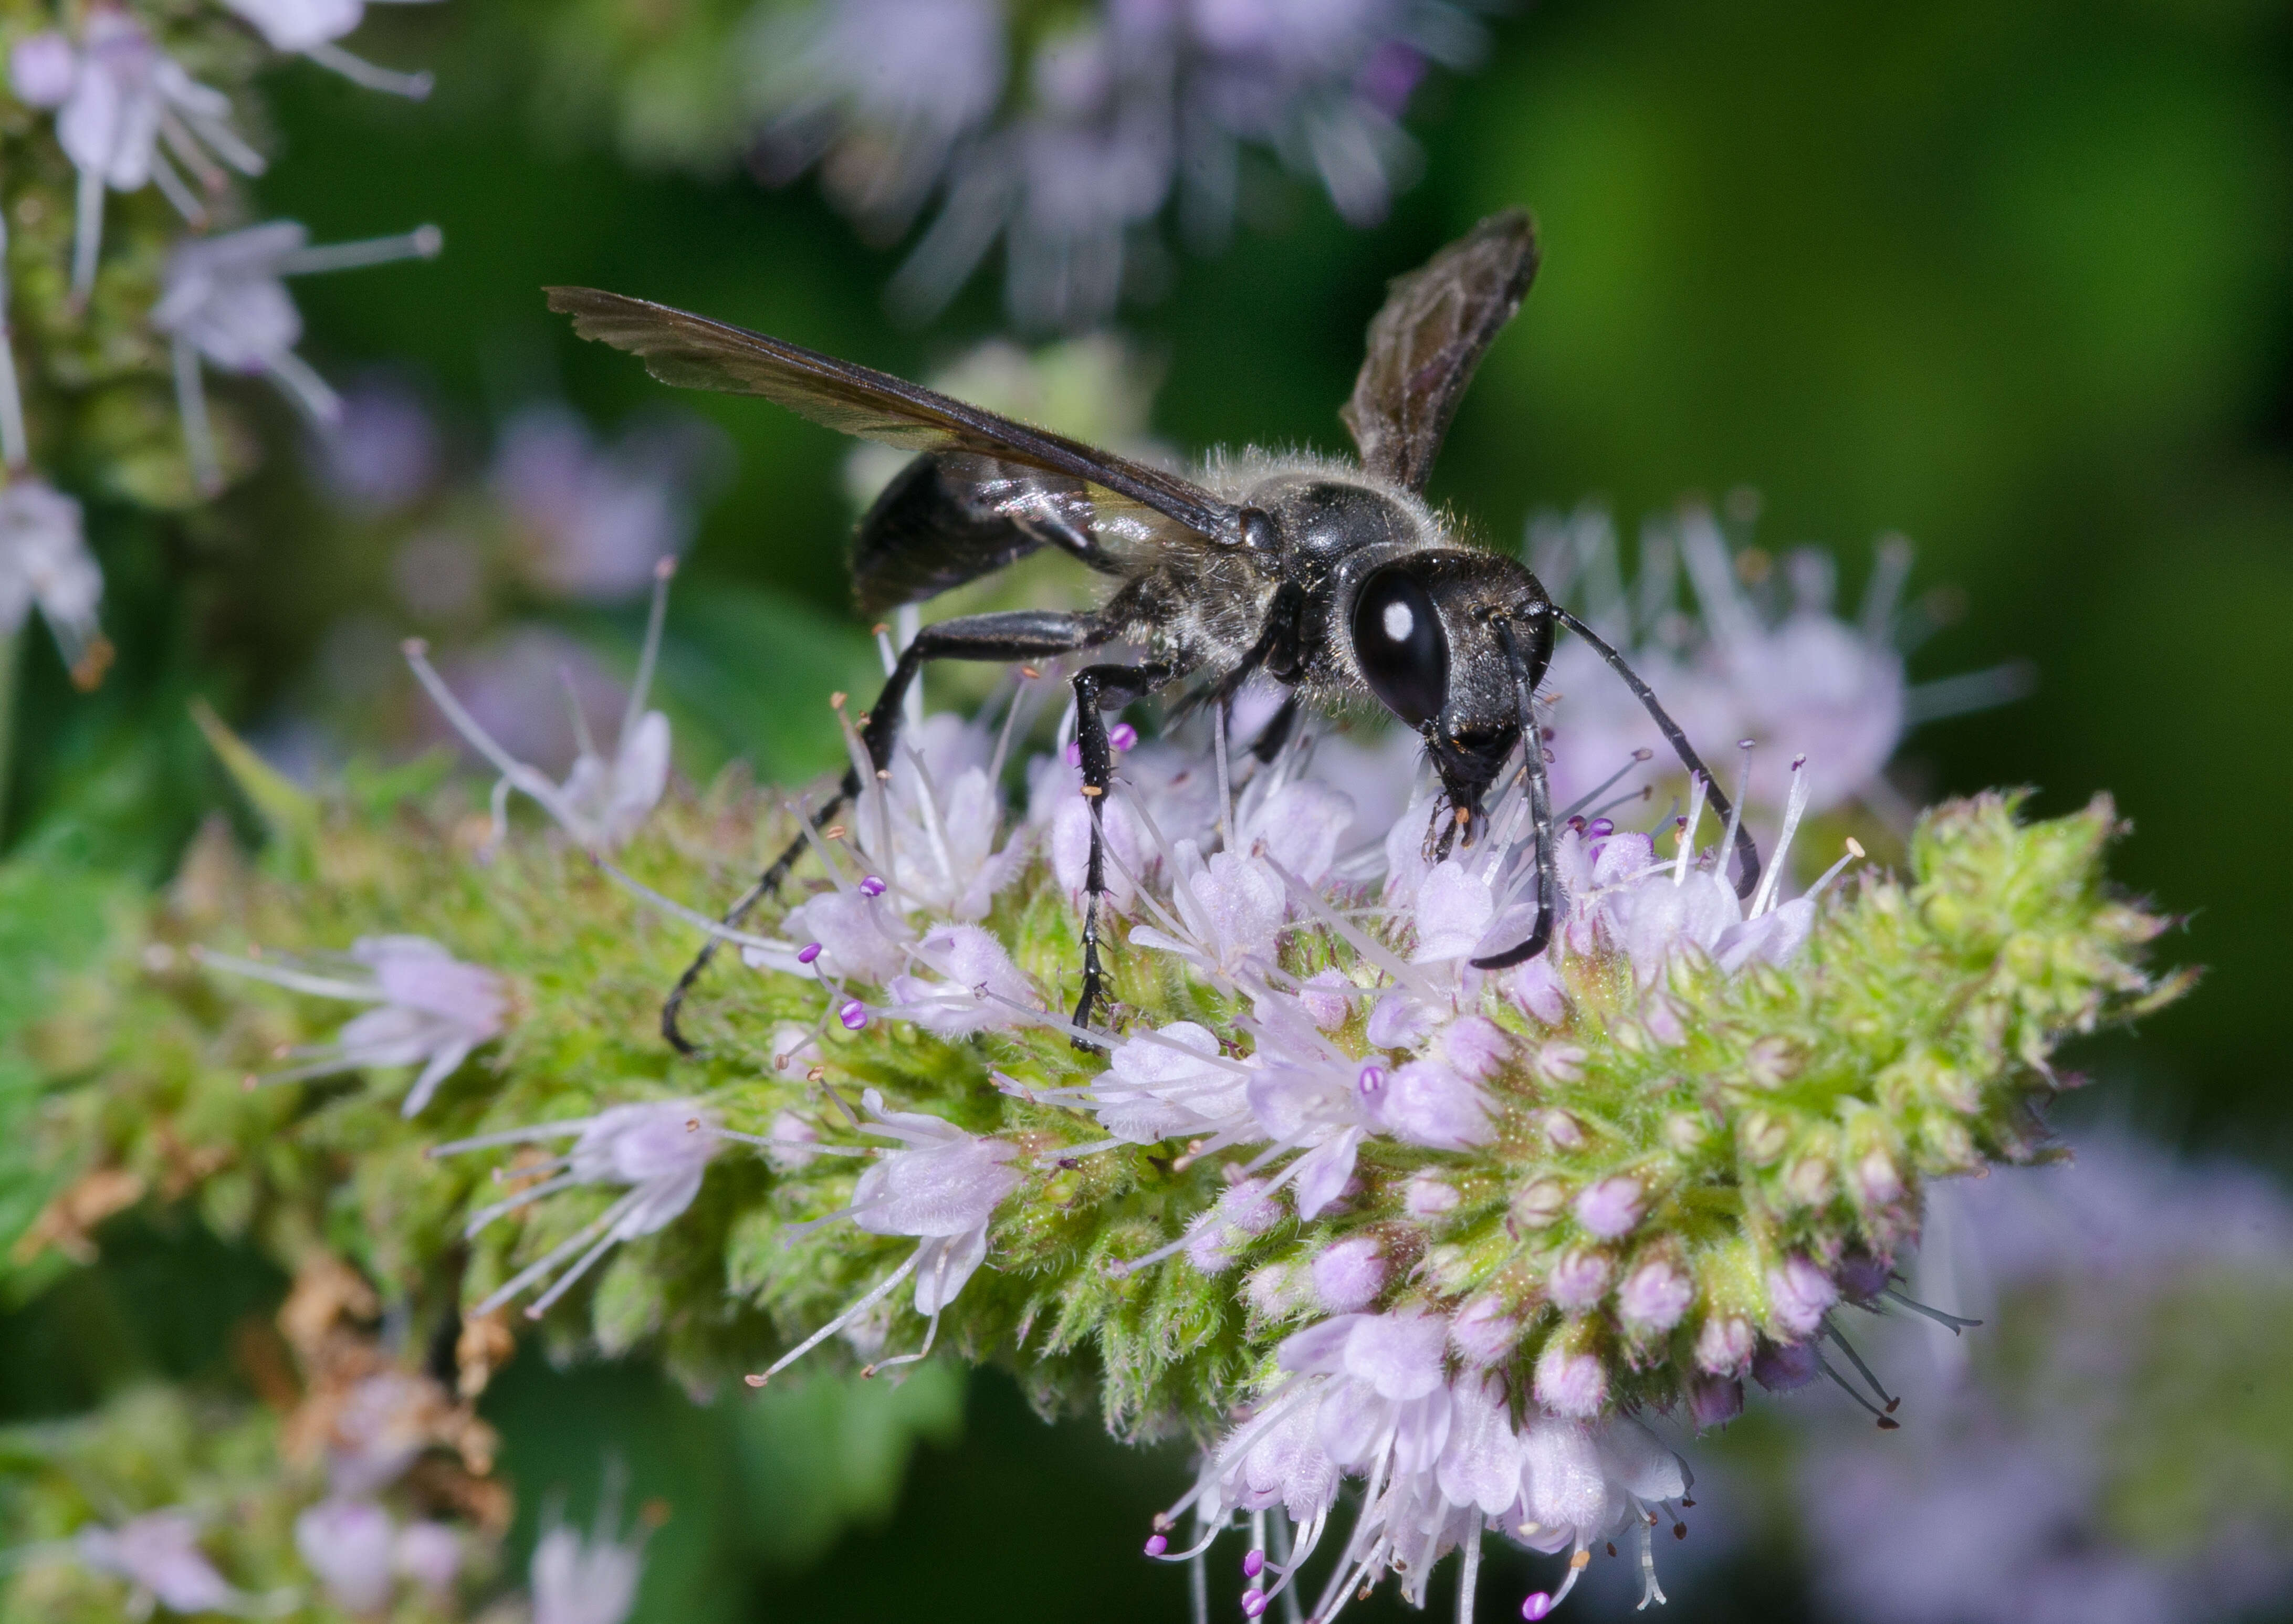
<point>694,353</point>
<point>1424,344</point>
<point>950,517</point>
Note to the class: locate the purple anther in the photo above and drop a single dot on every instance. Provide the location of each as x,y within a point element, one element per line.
<point>1156,1545</point>
<point>1600,829</point>
<point>1371,1082</point>
<point>1537,1606</point>
<point>1123,735</point>
<point>1253,1565</point>
<point>1253,1602</point>
<point>1074,753</point>
<point>870,886</point>
<point>853,1015</point>
<point>1577,822</point>
<point>807,953</point>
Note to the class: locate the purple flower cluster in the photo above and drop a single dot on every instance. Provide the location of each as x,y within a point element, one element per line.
<point>1068,148</point>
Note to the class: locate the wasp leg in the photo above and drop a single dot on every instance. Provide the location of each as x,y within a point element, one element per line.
<point>1019,635</point>
<point>1540,816</point>
<point>1276,733</point>
<point>1747,850</point>
<point>1096,685</point>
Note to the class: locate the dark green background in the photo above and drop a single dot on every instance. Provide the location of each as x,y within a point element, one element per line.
<point>2012,280</point>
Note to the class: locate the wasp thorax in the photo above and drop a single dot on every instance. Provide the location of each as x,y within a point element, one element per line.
<point>1322,520</point>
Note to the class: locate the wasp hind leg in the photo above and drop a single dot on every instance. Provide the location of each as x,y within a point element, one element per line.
<point>1019,635</point>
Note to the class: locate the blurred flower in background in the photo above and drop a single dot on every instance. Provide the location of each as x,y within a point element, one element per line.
<point>1068,137</point>
<point>2114,1445</point>
<point>1762,656</point>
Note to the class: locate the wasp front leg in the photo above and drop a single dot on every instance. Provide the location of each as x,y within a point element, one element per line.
<point>1096,685</point>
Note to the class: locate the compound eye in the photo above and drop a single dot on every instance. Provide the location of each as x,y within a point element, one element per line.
<point>1397,639</point>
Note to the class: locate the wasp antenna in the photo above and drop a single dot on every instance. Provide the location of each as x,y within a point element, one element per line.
<point>1746,850</point>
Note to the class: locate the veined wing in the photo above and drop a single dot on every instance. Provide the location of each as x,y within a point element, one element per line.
<point>694,353</point>
<point>1424,345</point>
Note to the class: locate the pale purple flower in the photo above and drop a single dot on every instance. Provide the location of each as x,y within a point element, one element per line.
<point>1423,1102</point>
<point>381,1427</point>
<point>2033,1488</point>
<point>931,830</point>
<point>224,302</point>
<point>1158,783</point>
<point>45,561</point>
<point>1247,1210</point>
<point>350,1544</point>
<point>1297,824</point>
<point>430,1010</point>
<point>158,1552</point>
<point>1798,679</point>
<point>1351,1274</point>
<point>1799,1296</point>
<point>1582,1482</point>
<point>1724,1346</point>
<point>657,1150</point>
<point>429,1555</point>
<point>1327,999</point>
<point>593,522</point>
<point>1173,1083</point>
<point>310,27</point>
<point>592,1581</point>
<point>1228,910</point>
<point>1612,1208</point>
<point>603,803</point>
<point>942,1187</point>
<point>1126,107</point>
<point>382,455</point>
<point>975,986</point>
<point>1655,1298</point>
<point>1370,1395</point>
<point>1579,1278</point>
<point>117,99</point>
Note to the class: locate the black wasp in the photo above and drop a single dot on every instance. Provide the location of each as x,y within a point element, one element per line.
<point>1329,577</point>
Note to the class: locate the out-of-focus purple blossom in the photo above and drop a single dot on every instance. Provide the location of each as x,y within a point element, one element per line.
<point>592,1581</point>
<point>224,302</point>
<point>594,522</point>
<point>310,27</point>
<point>2110,1467</point>
<point>45,561</point>
<point>350,1544</point>
<point>158,1552</point>
<point>1794,676</point>
<point>384,453</point>
<point>430,1010</point>
<point>114,96</point>
<point>1128,107</point>
<point>430,1555</point>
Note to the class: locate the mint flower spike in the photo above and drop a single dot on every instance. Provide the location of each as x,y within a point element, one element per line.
<point>602,805</point>
<point>310,27</point>
<point>658,1148</point>
<point>943,1186</point>
<point>223,301</point>
<point>118,97</point>
<point>432,1009</point>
